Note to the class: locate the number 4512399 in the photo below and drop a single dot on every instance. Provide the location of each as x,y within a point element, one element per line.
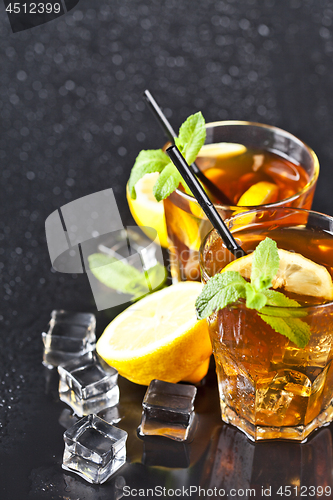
<point>33,8</point>
<point>304,491</point>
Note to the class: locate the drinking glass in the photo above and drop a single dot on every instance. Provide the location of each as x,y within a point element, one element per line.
<point>269,388</point>
<point>292,166</point>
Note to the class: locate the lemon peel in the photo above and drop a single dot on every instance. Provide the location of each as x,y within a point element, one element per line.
<point>159,337</point>
<point>146,211</point>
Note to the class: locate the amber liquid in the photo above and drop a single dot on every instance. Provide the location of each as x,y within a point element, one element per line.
<point>235,175</point>
<point>187,225</point>
<point>273,387</point>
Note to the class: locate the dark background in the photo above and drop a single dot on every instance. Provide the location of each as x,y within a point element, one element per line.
<point>73,121</point>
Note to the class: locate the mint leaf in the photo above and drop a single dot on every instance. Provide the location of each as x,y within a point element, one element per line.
<point>265,264</point>
<point>123,277</point>
<point>275,308</point>
<point>147,161</point>
<point>221,290</point>
<point>191,137</point>
<point>285,321</point>
<point>167,182</point>
<point>254,299</point>
<point>294,329</point>
<point>157,276</point>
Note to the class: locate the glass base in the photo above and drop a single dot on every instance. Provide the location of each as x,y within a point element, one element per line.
<point>260,432</point>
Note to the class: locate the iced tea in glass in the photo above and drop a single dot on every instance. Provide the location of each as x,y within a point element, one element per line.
<point>237,156</point>
<point>270,388</point>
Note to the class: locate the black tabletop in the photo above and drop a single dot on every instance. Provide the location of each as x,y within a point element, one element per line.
<point>72,122</point>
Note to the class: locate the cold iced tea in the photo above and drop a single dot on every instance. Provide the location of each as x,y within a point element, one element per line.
<point>269,387</point>
<point>281,169</point>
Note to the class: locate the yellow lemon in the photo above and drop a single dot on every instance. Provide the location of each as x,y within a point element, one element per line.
<point>259,194</point>
<point>296,274</point>
<point>146,211</point>
<point>159,337</point>
<point>221,150</point>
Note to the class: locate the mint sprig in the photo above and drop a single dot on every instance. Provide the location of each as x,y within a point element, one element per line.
<point>123,277</point>
<point>192,135</point>
<point>228,287</point>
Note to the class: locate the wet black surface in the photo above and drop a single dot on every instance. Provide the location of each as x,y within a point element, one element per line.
<point>72,123</point>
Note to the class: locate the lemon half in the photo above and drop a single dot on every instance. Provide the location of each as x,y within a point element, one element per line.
<point>296,274</point>
<point>159,337</point>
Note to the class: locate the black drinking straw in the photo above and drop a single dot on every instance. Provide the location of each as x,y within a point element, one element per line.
<point>171,134</point>
<point>204,201</point>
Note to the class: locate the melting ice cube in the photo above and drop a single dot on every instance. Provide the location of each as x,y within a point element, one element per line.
<point>94,449</point>
<point>168,410</point>
<point>70,334</point>
<point>88,385</point>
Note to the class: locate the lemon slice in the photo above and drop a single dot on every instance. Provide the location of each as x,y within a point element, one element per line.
<point>296,274</point>
<point>221,149</point>
<point>159,337</point>
<point>259,194</point>
<point>146,211</point>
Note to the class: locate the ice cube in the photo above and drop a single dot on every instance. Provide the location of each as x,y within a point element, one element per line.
<point>70,335</point>
<point>88,385</point>
<point>94,449</point>
<point>168,410</point>
<point>74,318</point>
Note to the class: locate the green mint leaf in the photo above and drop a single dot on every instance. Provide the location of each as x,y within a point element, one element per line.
<point>285,321</point>
<point>254,299</point>
<point>191,137</point>
<point>123,277</point>
<point>221,290</point>
<point>265,264</point>
<point>167,182</point>
<point>147,161</point>
<point>275,308</point>
<point>294,329</point>
<point>115,273</point>
<point>157,276</point>
<point>278,299</point>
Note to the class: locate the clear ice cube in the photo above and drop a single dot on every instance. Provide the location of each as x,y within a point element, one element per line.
<point>70,335</point>
<point>94,449</point>
<point>168,410</point>
<point>88,385</point>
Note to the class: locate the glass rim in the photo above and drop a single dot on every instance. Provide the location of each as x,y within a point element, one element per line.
<point>278,203</point>
<point>311,307</point>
